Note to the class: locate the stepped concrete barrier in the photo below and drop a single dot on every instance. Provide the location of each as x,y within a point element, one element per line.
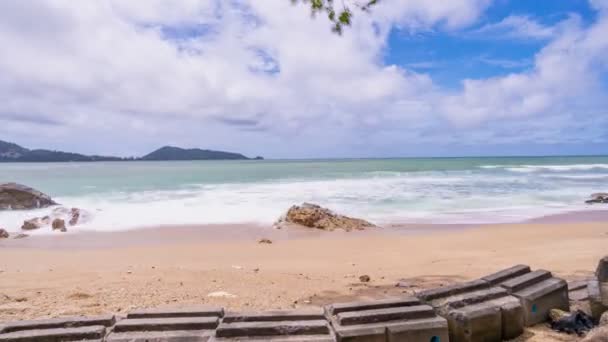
<point>477,311</point>
<point>167,324</point>
<point>493,308</point>
<point>57,329</point>
<point>538,291</point>
<point>398,319</point>
<point>308,325</point>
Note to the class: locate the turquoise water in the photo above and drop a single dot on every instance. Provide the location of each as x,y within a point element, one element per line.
<point>122,195</point>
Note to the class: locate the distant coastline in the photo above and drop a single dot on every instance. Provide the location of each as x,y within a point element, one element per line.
<point>11,152</point>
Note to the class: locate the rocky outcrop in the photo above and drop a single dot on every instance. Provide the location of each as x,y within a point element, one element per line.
<point>314,216</point>
<point>3,234</point>
<point>58,218</point>
<point>16,196</point>
<point>600,197</point>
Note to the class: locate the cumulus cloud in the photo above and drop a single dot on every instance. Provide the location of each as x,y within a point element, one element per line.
<point>261,76</point>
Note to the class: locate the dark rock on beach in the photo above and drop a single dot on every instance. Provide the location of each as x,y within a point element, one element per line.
<point>314,216</point>
<point>17,196</point>
<point>32,224</point>
<point>600,197</point>
<point>3,234</point>
<point>59,224</point>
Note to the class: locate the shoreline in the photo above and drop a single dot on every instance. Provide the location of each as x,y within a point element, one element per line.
<point>163,234</point>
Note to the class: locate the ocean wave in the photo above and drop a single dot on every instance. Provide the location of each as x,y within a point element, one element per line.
<point>555,168</point>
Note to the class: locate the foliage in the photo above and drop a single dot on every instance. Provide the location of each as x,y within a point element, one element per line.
<point>340,17</point>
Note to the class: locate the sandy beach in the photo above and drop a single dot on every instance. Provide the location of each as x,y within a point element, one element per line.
<point>93,273</point>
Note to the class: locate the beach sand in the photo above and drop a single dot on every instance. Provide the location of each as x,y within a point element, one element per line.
<point>93,273</point>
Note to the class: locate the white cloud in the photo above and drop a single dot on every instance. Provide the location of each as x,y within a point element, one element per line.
<point>516,26</point>
<point>565,79</point>
<point>255,76</point>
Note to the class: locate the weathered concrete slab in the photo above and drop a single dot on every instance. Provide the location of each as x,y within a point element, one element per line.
<point>334,309</point>
<point>470,298</point>
<point>253,329</point>
<point>66,322</point>
<point>423,330</point>
<point>506,274</point>
<point>446,291</point>
<point>273,316</point>
<point>384,315</point>
<point>87,333</point>
<point>541,297</point>
<point>480,322</point>
<point>526,280</point>
<point>160,324</point>
<point>372,321</point>
<point>199,311</point>
<point>576,285</point>
<point>602,270</point>
<point>161,336</point>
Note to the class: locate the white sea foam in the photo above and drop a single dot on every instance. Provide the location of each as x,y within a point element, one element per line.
<point>558,168</point>
<point>430,197</point>
<point>125,196</point>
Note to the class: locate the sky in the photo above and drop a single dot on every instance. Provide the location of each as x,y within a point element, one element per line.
<point>263,77</point>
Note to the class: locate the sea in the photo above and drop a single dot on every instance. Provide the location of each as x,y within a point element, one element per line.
<point>128,195</point>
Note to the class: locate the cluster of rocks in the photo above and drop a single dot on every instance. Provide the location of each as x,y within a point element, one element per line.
<point>57,219</point>
<point>600,197</point>
<point>15,196</point>
<point>315,216</point>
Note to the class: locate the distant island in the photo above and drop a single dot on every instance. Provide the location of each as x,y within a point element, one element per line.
<point>11,152</point>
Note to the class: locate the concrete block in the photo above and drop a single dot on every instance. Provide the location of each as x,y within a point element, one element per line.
<point>422,330</point>
<point>446,291</point>
<point>526,280</point>
<point>273,316</point>
<point>506,274</point>
<point>199,311</point>
<point>541,297</point>
<point>86,333</point>
<point>253,329</point>
<point>161,336</point>
<point>602,270</point>
<point>334,309</point>
<point>66,322</point>
<point>160,324</point>
<point>596,306</point>
<point>512,316</point>
<point>480,322</point>
<point>384,315</point>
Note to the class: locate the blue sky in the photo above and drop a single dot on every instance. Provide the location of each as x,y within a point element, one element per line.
<point>449,57</point>
<point>412,78</point>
